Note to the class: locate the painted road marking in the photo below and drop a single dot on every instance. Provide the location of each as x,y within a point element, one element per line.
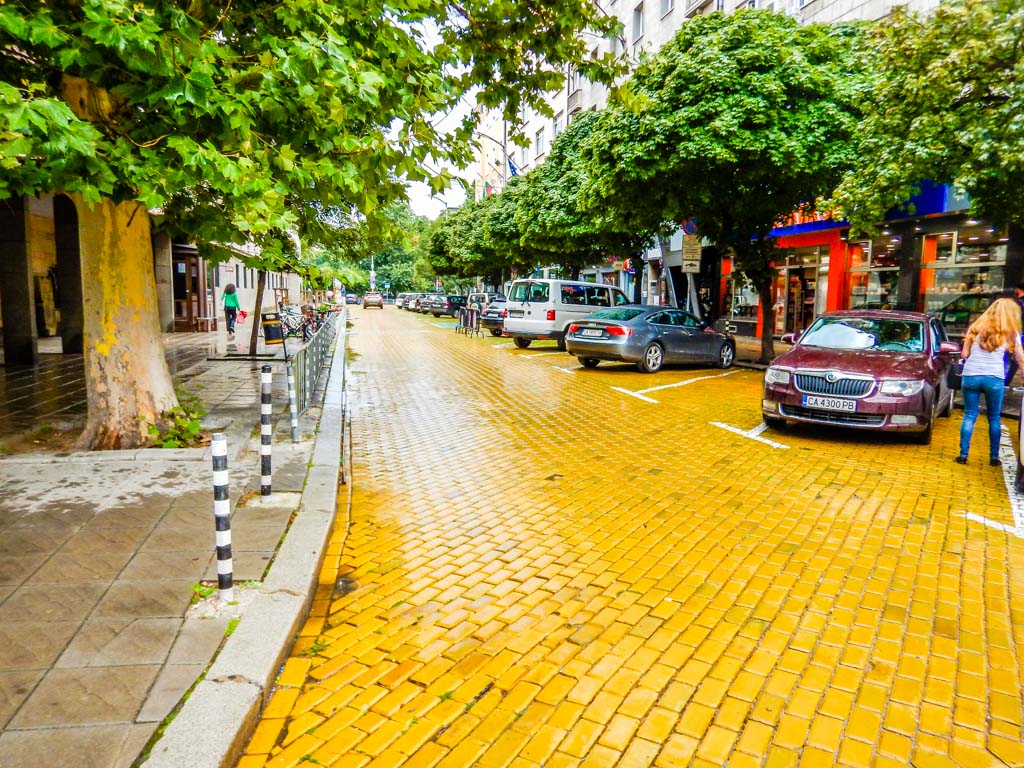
<point>542,354</point>
<point>635,394</point>
<point>567,370</point>
<point>753,434</point>
<point>684,383</point>
<point>1009,459</point>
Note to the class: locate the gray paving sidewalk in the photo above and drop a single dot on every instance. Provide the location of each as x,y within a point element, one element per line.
<point>98,556</point>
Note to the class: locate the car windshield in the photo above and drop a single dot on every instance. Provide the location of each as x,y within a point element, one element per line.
<point>618,313</point>
<point>527,290</point>
<point>869,333</point>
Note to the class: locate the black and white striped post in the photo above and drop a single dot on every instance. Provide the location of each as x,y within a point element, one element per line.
<point>222,517</point>
<point>265,411</point>
<point>289,366</point>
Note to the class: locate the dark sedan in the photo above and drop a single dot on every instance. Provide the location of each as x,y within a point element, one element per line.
<point>648,336</point>
<point>867,369</point>
<point>493,317</point>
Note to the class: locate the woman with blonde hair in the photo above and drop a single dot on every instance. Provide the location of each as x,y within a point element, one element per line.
<point>996,332</point>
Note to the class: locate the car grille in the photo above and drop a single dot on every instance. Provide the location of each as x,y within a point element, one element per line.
<point>819,385</point>
<point>833,417</point>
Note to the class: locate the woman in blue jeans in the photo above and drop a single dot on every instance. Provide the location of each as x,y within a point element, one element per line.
<point>996,332</point>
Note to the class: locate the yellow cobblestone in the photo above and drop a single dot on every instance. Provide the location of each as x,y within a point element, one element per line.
<point>520,605</point>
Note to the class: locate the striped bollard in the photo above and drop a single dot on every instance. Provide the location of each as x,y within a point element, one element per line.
<point>292,401</point>
<point>222,517</point>
<point>265,411</point>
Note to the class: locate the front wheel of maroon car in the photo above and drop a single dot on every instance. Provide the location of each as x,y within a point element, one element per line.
<point>925,438</point>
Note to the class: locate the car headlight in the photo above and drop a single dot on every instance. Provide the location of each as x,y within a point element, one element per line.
<point>776,376</point>
<point>903,388</point>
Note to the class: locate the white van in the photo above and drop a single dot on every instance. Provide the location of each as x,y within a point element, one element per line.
<point>542,309</point>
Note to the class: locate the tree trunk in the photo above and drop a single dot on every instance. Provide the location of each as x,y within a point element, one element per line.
<point>261,281</point>
<point>767,323</point>
<point>127,380</point>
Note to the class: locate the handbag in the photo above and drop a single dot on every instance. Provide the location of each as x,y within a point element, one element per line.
<point>242,314</point>
<point>955,375</point>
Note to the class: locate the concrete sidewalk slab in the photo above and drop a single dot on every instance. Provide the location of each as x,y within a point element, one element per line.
<point>98,557</point>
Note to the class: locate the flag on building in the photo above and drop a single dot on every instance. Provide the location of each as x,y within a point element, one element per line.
<point>513,171</point>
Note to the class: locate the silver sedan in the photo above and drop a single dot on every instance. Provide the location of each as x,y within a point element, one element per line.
<point>648,336</point>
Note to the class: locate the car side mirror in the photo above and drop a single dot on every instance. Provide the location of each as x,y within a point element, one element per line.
<point>949,348</point>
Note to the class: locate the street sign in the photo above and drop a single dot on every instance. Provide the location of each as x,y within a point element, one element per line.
<point>691,253</point>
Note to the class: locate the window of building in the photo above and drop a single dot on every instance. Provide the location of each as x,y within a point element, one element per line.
<point>573,80</point>
<point>538,143</point>
<point>961,273</point>
<point>874,273</point>
<point>638,22</point>
<point>557,125</point>
<point>667,6</point>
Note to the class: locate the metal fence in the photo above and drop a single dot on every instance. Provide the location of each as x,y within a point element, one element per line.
<point>309,361</point>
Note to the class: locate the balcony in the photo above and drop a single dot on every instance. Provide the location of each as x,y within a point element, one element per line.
<point>575,102</point>
<point>692,6</point>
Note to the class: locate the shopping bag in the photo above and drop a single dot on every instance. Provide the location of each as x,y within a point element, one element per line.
<point>955,375</point>
<point>242,314</point>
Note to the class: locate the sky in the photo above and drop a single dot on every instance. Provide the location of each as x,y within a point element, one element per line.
<point>432,207</point>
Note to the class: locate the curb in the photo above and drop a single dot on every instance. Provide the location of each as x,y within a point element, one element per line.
<point>211,728</point>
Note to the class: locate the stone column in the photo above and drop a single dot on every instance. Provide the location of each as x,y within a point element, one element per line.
<point>162,266</point>
<point>69,274</point>
<point>18,304</point>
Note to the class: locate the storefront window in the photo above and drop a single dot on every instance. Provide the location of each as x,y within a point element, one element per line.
<point>874,273</point>
<point>962,273</point>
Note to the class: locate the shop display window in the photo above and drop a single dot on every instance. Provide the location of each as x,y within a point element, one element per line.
<point>874,289</point>
<point>962,273</point>
<point>744,299</point>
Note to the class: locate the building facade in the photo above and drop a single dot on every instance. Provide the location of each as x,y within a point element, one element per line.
<point>929,258</point>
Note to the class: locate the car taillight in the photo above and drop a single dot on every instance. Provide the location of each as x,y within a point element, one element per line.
<point>616,330</point>
<point>550,315</point>
<point>573,328</point>
<point>504,313</point>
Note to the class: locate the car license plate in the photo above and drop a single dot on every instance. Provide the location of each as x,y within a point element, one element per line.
<point>590,332</point>
<point>515,313</point>
<point>830,403</point>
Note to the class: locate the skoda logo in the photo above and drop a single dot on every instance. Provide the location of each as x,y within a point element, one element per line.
<point>832,377</point>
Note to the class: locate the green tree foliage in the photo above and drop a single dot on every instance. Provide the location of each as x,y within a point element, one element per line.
<point>740,120</point>
<point>556,220</point>
<point>241,120</point>
<point>943,103</point>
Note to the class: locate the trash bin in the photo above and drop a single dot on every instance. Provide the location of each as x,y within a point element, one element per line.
<point>273,331</point>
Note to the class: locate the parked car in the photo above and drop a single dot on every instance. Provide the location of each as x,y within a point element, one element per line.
<point>373,299</point>
<point>649,336</point>
<point>867,369</point>
<point>482,300</point>
<point>351,298</point>
<point>400,299</point>
<point>409,300</point>
<point>450,305</point>
<point>493,318</point>
<point>543,309</point>
<point>422,302</point>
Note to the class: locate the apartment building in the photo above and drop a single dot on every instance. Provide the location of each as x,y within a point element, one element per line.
<point>940,258</point>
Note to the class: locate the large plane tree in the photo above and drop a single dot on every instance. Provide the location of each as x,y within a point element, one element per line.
<point>240,120</point>
<point>738,121</point>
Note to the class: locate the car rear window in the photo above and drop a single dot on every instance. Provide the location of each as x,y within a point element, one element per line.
<point>869,333</point>
<point>618,313</point>
<point>528,290</point>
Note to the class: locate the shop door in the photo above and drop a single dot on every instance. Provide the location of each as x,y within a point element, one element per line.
<point>188,292</point>
<point>801,290</point>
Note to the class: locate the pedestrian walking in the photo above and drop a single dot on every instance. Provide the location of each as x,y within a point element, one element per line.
<point>989,338</point>
<point>231,306</point>
<point>1012,367</point>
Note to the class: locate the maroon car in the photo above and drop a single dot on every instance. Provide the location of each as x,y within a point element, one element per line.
<point>864,369</point>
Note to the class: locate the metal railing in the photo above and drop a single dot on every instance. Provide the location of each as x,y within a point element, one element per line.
<point>309,361</point>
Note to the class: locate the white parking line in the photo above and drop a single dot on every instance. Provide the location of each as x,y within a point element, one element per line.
<point>635,394</point>
<point>1009,459</point>
<point>567,370</point>
<point>542,354</point>
<point>688,381</point>
<point>753,434</point>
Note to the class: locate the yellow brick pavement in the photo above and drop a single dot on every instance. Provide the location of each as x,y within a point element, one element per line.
<point>545,571</point>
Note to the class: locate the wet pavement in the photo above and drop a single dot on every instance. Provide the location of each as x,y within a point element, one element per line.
<point>553,566</point>
<point>98,557</point>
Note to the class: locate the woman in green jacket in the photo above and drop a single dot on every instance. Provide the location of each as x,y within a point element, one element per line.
<point>231,306</point>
